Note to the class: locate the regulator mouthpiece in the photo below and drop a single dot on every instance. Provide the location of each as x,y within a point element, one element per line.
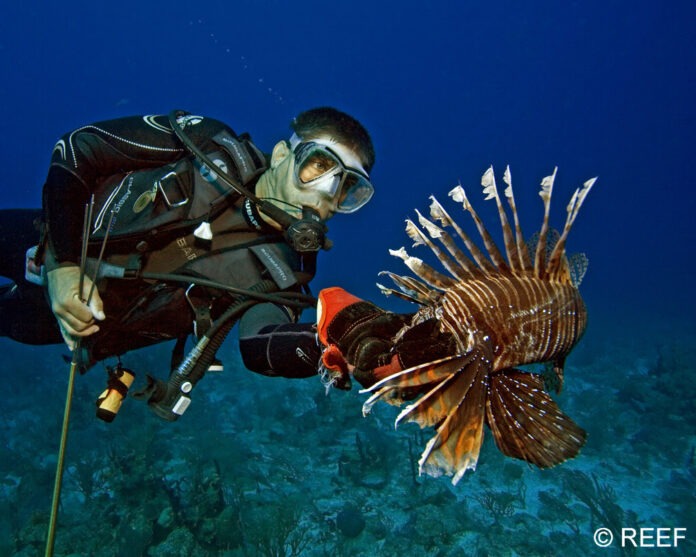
<point>308,234</point>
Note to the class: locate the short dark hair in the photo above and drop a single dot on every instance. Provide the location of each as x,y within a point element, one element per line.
<point>339,125</point>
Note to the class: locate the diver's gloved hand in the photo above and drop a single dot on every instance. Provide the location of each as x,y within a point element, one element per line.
<point>75,318</point>
<point>419,344</point>
<point>358,336</point>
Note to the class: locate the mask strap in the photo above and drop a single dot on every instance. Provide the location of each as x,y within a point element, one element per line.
<point>294,141</point>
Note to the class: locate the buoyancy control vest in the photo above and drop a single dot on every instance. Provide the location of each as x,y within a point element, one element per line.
<point>154,218</point>
<point>146,209</point>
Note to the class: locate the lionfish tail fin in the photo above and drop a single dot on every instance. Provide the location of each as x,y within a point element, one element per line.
<point>526,423</point>
<point>452,400</point>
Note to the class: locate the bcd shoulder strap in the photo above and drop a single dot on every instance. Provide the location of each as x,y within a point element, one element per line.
<point>249,161</point>
<point>151,207</point>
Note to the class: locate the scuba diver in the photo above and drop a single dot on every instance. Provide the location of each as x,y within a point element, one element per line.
<point>157,228</point>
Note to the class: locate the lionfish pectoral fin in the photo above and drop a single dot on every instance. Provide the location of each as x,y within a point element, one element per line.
<point>526,423</point>
<point>452,400</point>
<point>435,404</point>
<point>419,378</point>
<point>455,447</point>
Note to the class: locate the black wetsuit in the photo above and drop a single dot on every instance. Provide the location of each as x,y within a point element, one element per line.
<point>140,313</point>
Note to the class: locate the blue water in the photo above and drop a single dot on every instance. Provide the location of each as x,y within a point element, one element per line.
<point>446,88</point>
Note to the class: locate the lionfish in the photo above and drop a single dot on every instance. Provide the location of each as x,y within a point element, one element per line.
<point>503,312</point>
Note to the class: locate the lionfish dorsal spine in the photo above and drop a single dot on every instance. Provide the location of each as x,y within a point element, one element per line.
<point>548,262</point>
<point>419,238</point>
<point>522,251</point>
<point>411,289</point>
<point>466,267</point>
<point>424,271</point>
<point>555,265</point>
<point>400,294</point>
<point>545,193</point>
<point>490,190</point>
<point>437,212</point>
<point>458,194</point>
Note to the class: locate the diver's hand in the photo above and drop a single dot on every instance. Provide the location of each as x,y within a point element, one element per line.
<point>75,318</point>
<point>358,336</point>
<point>374,343</point>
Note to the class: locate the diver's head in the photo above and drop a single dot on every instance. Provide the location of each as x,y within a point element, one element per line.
<point>339,127</point>
<point>324,166</point>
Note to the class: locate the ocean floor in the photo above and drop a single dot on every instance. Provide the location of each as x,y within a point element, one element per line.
<point>274,467</point>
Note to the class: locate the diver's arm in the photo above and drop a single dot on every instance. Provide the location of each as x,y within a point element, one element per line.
<point>271,344</point>
<point>84,157</point>
<point>81,161</point>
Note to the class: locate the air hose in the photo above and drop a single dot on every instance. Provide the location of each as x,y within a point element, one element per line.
<point>170,399</point>
<point>270,294</point>
<point>277,214</point>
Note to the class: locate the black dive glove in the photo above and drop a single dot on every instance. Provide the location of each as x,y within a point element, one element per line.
<point>358,334</point>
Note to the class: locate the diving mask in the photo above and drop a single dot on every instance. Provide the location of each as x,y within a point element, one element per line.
<point>332,169</point>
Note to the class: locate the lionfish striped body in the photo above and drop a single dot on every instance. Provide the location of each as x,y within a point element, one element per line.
<point>528,320</point>
<point>503,312</point>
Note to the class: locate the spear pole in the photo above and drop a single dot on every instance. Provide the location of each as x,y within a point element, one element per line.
<point>60,465</point>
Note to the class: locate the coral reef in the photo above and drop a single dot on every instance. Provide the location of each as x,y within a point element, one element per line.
<point>267,467</point>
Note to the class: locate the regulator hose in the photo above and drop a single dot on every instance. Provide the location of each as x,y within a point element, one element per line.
<point>277,214</point>
<point>307,234</point>
<point>295,299</point>
<point>170,399</point>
